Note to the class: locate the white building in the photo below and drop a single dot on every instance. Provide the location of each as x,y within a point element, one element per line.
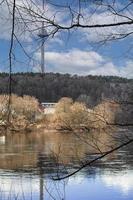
<point>49,108</point>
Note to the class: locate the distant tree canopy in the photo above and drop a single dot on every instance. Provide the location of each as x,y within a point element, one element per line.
<point>53,86</point>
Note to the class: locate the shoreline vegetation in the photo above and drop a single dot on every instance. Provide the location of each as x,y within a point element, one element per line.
<point>20,114</point>
<point>27,114</point>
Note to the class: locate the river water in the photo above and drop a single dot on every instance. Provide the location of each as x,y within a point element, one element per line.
<point>30,161</point>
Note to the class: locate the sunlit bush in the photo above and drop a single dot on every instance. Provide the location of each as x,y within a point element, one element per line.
<point>69,115</point>
<point>23,110</point>
<point>3,107</point>
<point>26,105</point>
<point>105,112</point>
<point>64,105</point>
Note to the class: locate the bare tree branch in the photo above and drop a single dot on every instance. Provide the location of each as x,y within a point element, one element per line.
<point>94,160</point>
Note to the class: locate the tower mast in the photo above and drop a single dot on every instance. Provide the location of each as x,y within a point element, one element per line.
<point>43,36</point>
<point>42,45</point>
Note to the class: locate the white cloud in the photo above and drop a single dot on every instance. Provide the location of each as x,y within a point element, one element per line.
<point>127,71</point>
<point>56,14</point>
<point>107,69</point>
<point>74,61</point>
<point>5,22</point>
<point>28,23</point>
<point>85,62</point>
<point>104,33</point>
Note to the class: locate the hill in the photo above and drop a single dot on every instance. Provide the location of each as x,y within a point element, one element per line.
<point>52,86</point>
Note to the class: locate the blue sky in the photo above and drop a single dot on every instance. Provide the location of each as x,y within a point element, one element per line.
<point>76,52</point>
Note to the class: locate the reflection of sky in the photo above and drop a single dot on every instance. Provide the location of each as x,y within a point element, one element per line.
<point>108,186</point>
<point>122,181</point>
<point>2,139</point>
<point>104,187</point>
<point>18,186</point>
<point>26,188</point>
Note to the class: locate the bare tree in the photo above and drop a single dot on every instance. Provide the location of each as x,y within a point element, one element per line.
<point>107,20</point>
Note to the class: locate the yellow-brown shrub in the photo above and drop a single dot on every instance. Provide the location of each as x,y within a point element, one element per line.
<point>23,110</point>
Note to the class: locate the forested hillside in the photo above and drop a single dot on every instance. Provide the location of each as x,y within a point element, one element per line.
<point>51,87</point>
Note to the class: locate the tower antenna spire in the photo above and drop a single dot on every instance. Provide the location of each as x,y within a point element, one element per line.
<point>43,35</point>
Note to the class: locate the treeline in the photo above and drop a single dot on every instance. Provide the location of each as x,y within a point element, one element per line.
<point>52,86</point>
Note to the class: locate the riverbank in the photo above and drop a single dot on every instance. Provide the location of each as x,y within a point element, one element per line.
<point>25,114</point>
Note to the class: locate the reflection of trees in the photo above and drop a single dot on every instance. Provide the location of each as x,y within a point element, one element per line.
<point>41,169</point>
<point>49,153</point>
<point>103,155</point>
<point>27,13</point>
<point>21,150</point>
<point>40,164</point>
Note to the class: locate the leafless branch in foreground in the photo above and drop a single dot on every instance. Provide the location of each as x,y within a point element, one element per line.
<point>94,160</point>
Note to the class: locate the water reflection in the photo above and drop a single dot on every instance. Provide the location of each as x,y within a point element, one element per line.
<point>122,180</point>
<point>2,139</point>
<point>29,160</point>
<point>43,150</point>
